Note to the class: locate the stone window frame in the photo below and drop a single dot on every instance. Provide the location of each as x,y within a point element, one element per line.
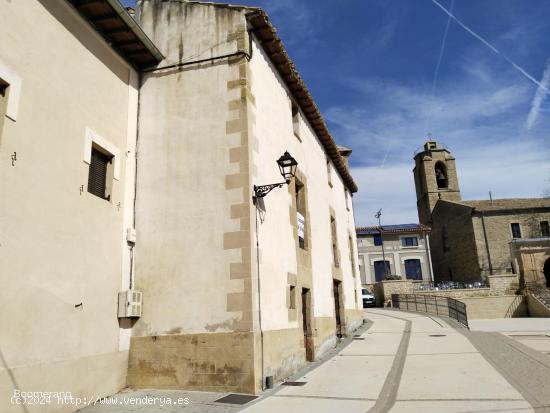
<point>329,171</point>
<point>296,121</point>
<point>94,140</point>
<point>13,90</point>
<point>336,260</point>
<point>352,255</point>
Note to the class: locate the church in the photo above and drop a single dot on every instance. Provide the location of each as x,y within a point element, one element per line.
<point>472,239</point>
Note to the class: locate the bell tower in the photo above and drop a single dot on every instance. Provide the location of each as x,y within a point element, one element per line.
<point>435,178</point>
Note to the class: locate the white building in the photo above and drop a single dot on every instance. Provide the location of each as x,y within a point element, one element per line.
<point>394,250</point>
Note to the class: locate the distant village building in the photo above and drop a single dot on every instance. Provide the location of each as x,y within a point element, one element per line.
<point>394,250</point>
<point>131,249</point>
<point>471,239</point>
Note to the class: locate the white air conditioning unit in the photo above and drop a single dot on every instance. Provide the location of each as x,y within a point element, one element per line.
<point>129,304</point>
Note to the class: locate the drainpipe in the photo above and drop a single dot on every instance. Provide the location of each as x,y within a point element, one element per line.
<point>486,243</point>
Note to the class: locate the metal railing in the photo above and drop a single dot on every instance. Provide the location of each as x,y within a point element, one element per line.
<point>431,304</point>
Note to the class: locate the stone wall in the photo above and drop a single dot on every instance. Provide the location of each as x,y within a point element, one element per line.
<point>536,308</point>
<point>209,362</point>
<point>504,306</point>
<point>453,247</point>
<point>499,235</point>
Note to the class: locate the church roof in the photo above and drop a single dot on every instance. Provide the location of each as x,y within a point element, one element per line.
<point>399,228</point>
<point>508,204</point>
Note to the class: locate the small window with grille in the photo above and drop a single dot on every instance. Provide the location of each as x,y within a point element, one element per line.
<point>100,174</point>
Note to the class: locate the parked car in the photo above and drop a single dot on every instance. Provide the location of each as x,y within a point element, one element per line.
<point>368,298</point>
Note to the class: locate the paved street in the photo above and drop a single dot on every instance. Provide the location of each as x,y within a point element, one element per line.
<point>408,362</point>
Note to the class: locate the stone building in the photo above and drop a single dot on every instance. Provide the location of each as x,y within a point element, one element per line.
<point>234,293</point>
<point>531,259</point>
<point>470,239</point>
<point>406,252</point>
<point>130,169</point>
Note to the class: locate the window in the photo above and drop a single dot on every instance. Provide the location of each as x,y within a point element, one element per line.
<point>441,175</point>
<point>329,172</point>
<point>409,242</point>
<point>516,230</point>
<point>544,229</point>
<point>334,242</point>
<point>346,194</point>
<point>413,269</point>
<point>377,238</point>
<point>98,175</point>
<point>292,297</point>
<point>296,120</point>
<point>300,212</point>
<point>380,270</point>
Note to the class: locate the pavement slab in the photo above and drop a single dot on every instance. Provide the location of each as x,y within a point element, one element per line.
<point>403,362</point>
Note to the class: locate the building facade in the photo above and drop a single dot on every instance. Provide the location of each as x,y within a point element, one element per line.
<point>68,121</point>
<point>394,250</point>
<point>130,164</point>
<point>234,291</point>
<point>471,239</point>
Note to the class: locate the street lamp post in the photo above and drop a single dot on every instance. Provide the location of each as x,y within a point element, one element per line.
<point>378,215</point>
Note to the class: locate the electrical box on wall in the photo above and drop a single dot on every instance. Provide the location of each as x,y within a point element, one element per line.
<point>129,304</point>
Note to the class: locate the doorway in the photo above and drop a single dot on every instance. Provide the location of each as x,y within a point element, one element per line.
<point>547,272</point>
<point>337,286</point>
<point>306,323</point>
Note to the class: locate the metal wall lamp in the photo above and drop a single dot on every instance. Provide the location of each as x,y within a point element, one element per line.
<point>287,167</point>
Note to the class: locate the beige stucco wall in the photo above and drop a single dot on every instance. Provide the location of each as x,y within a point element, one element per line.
<point>60,247</point>
<point>273,135</point>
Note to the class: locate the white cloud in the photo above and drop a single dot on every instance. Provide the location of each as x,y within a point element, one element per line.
<point>540,95</point>
<point>480,117</point>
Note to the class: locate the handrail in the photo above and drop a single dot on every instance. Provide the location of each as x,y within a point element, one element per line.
<point>432,304</point>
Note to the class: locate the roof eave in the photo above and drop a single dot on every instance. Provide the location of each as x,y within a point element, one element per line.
<point>266,33</point>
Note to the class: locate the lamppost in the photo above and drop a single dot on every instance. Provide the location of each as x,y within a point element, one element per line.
<point>287,167</point>
<point>378,215</point>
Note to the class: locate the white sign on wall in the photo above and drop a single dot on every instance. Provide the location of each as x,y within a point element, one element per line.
<point>301,225</point>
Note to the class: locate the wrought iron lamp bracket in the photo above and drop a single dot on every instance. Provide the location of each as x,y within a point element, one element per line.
<point>262,190</point>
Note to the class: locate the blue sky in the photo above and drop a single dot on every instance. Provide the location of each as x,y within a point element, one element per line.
<point>370,65</point>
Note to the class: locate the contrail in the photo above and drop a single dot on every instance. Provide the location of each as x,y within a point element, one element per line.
<point>540,95</point>
<point>386,156</point>
<point>442,50</point>
<point>490,46</point>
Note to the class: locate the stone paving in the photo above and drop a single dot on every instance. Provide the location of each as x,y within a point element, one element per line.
<point>400,362</point>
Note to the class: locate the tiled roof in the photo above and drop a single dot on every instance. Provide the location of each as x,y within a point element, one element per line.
<point>120,30</point>
<point>508,204</point>
<point>400,228</point>
<point>275,50</point>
